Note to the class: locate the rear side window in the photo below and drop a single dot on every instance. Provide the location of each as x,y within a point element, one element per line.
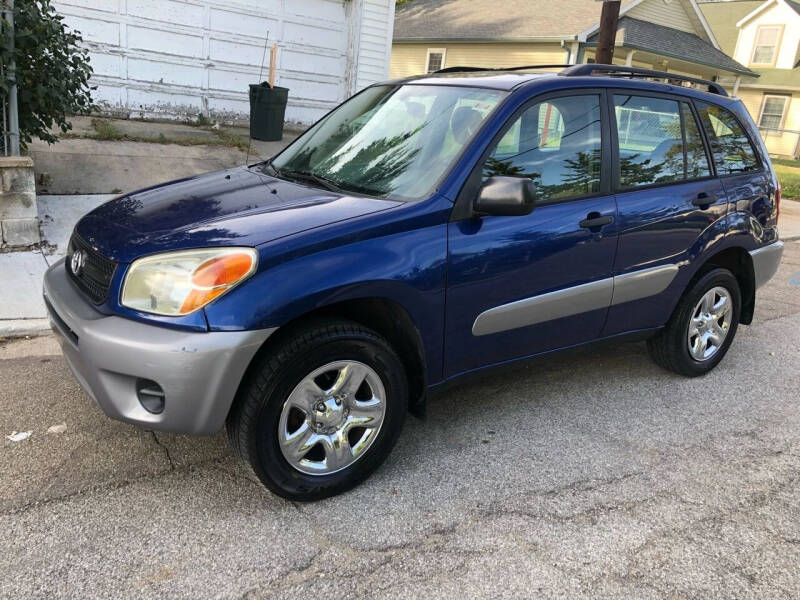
<point>659,142</point>
<point>730,146</point>
<point>555,143</point>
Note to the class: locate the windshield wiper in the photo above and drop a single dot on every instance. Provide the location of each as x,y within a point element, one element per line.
<point>321,181</point>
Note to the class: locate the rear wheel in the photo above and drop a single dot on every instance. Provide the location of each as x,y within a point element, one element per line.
<point>321,411</point>
<point>702,328</point>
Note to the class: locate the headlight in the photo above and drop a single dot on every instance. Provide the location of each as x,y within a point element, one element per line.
<point>177,283</point>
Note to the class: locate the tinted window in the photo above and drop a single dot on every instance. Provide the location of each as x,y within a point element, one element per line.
<point>650,140</point>
<point>696,159</point>
<point>555,143</point>
<point>730,145</point>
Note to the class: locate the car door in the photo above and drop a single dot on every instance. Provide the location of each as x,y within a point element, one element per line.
<point>521,285</point>
<point>670,204</point>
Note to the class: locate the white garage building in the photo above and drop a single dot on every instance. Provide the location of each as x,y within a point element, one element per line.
<point>180,58</point>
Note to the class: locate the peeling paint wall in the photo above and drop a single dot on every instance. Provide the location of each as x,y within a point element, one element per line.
<point>180,58</point>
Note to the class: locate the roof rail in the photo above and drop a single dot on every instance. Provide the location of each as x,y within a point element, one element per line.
<point>475,69</point>
<point>632,72</point>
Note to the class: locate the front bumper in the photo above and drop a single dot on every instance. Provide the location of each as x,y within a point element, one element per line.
<point>199,373</point>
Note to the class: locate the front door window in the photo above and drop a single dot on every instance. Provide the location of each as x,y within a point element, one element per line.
<point>556,144</point>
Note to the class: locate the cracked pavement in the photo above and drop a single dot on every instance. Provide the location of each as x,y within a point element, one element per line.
<point>595,475</point>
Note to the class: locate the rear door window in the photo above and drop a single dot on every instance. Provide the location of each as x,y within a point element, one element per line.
<point>730,145</point>
<point>659,141</point>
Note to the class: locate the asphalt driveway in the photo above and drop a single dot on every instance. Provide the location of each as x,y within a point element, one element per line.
<point>595,475</point>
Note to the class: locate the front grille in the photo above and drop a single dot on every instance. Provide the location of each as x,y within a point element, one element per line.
<point>94,278</point>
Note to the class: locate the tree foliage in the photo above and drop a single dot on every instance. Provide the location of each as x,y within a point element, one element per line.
<point>52,71</point>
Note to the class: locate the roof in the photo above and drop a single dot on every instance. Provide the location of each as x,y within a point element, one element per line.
<point>485,20</point>
<point>509,79</point>
<point>794,5</point>
<point>676,44</point>
<point>722,18</point>
<point>492,79</point>
<point>762,6</point>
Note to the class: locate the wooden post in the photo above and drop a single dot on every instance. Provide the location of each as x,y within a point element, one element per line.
<point>608,32</point>
<point>736,85</point>
<point>273,59</point>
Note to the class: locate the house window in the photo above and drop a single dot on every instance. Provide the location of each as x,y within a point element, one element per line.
<point>766,46</point>
<point>772,111</point>
<point>435,59</point>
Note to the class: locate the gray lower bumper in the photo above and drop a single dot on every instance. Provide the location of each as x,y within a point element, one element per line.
<point>199,372</point>
<point>765,262</point>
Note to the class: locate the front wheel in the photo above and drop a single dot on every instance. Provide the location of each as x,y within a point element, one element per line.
<point>321,411</point>
<point>702,328</point>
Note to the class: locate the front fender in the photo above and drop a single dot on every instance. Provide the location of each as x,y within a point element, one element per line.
<point>406,267</point>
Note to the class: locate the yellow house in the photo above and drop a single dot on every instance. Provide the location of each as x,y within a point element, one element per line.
<point>668,35</point>
<point>765,36</point>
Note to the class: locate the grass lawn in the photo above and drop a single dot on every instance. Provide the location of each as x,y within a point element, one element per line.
<point>789,175</point>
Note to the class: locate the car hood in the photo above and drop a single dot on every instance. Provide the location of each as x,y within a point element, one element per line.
<point>236,207</point>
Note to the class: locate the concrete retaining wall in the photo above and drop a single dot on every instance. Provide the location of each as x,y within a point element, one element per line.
<point>19,225</point>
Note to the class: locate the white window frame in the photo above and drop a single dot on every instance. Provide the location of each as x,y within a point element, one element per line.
<point>786,100</point>
<point>442,51</point>
<point>776,49</point>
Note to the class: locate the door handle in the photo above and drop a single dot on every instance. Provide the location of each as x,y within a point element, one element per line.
<point>704,200</point>
<point>594,220</point>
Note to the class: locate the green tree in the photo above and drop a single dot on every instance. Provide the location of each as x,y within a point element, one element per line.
<point>52,71</point>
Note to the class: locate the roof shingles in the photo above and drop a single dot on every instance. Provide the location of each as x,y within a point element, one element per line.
<point>678,44</point>
<point>481,19</point>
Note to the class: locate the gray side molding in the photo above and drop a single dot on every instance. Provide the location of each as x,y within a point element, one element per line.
<point>545,307</point>
<point>765,262</point>
<point>643,283</point>
<point>575,300</point>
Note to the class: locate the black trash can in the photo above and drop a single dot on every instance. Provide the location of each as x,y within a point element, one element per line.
<point>267,111</point>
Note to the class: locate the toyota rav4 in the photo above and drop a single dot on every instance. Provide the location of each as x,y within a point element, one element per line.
<point>425,229</point>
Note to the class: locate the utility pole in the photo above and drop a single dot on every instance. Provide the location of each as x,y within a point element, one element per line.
<point>608,32</point>
<point>11,76</point>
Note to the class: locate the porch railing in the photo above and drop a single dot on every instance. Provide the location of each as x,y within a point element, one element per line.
<point>781,142</point>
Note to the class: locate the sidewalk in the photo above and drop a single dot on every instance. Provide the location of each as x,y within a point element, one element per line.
<point>789,220</point>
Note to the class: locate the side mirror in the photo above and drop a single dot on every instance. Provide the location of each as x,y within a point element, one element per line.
<point>506,196</point>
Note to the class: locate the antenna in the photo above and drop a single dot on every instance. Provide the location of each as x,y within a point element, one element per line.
<point>260,75</point>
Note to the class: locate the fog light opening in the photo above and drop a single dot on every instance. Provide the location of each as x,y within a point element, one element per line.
<point>150,395</point>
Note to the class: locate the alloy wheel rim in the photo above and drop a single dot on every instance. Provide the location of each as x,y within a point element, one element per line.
<point>709,324</point>
<point>332,417</point>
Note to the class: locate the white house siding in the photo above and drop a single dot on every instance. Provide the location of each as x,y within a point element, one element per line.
<point>777,13</point>
<point>180,58</point>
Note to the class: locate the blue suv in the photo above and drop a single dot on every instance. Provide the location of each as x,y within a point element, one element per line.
<point>425,229</point>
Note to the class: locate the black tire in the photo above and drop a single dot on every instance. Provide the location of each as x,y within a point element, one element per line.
<point>669,349</point>
<point>254,419</point>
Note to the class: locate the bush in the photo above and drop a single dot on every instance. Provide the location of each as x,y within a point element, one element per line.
<point>52,71</point>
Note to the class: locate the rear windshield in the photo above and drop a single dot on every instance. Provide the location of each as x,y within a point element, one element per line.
<point>389,141</point>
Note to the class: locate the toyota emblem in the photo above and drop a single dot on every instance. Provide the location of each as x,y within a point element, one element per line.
<point>77,261</point>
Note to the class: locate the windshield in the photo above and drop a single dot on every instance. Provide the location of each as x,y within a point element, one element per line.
<point>393,141</point>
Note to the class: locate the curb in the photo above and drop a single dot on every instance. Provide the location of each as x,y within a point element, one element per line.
<point>22,327</point>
